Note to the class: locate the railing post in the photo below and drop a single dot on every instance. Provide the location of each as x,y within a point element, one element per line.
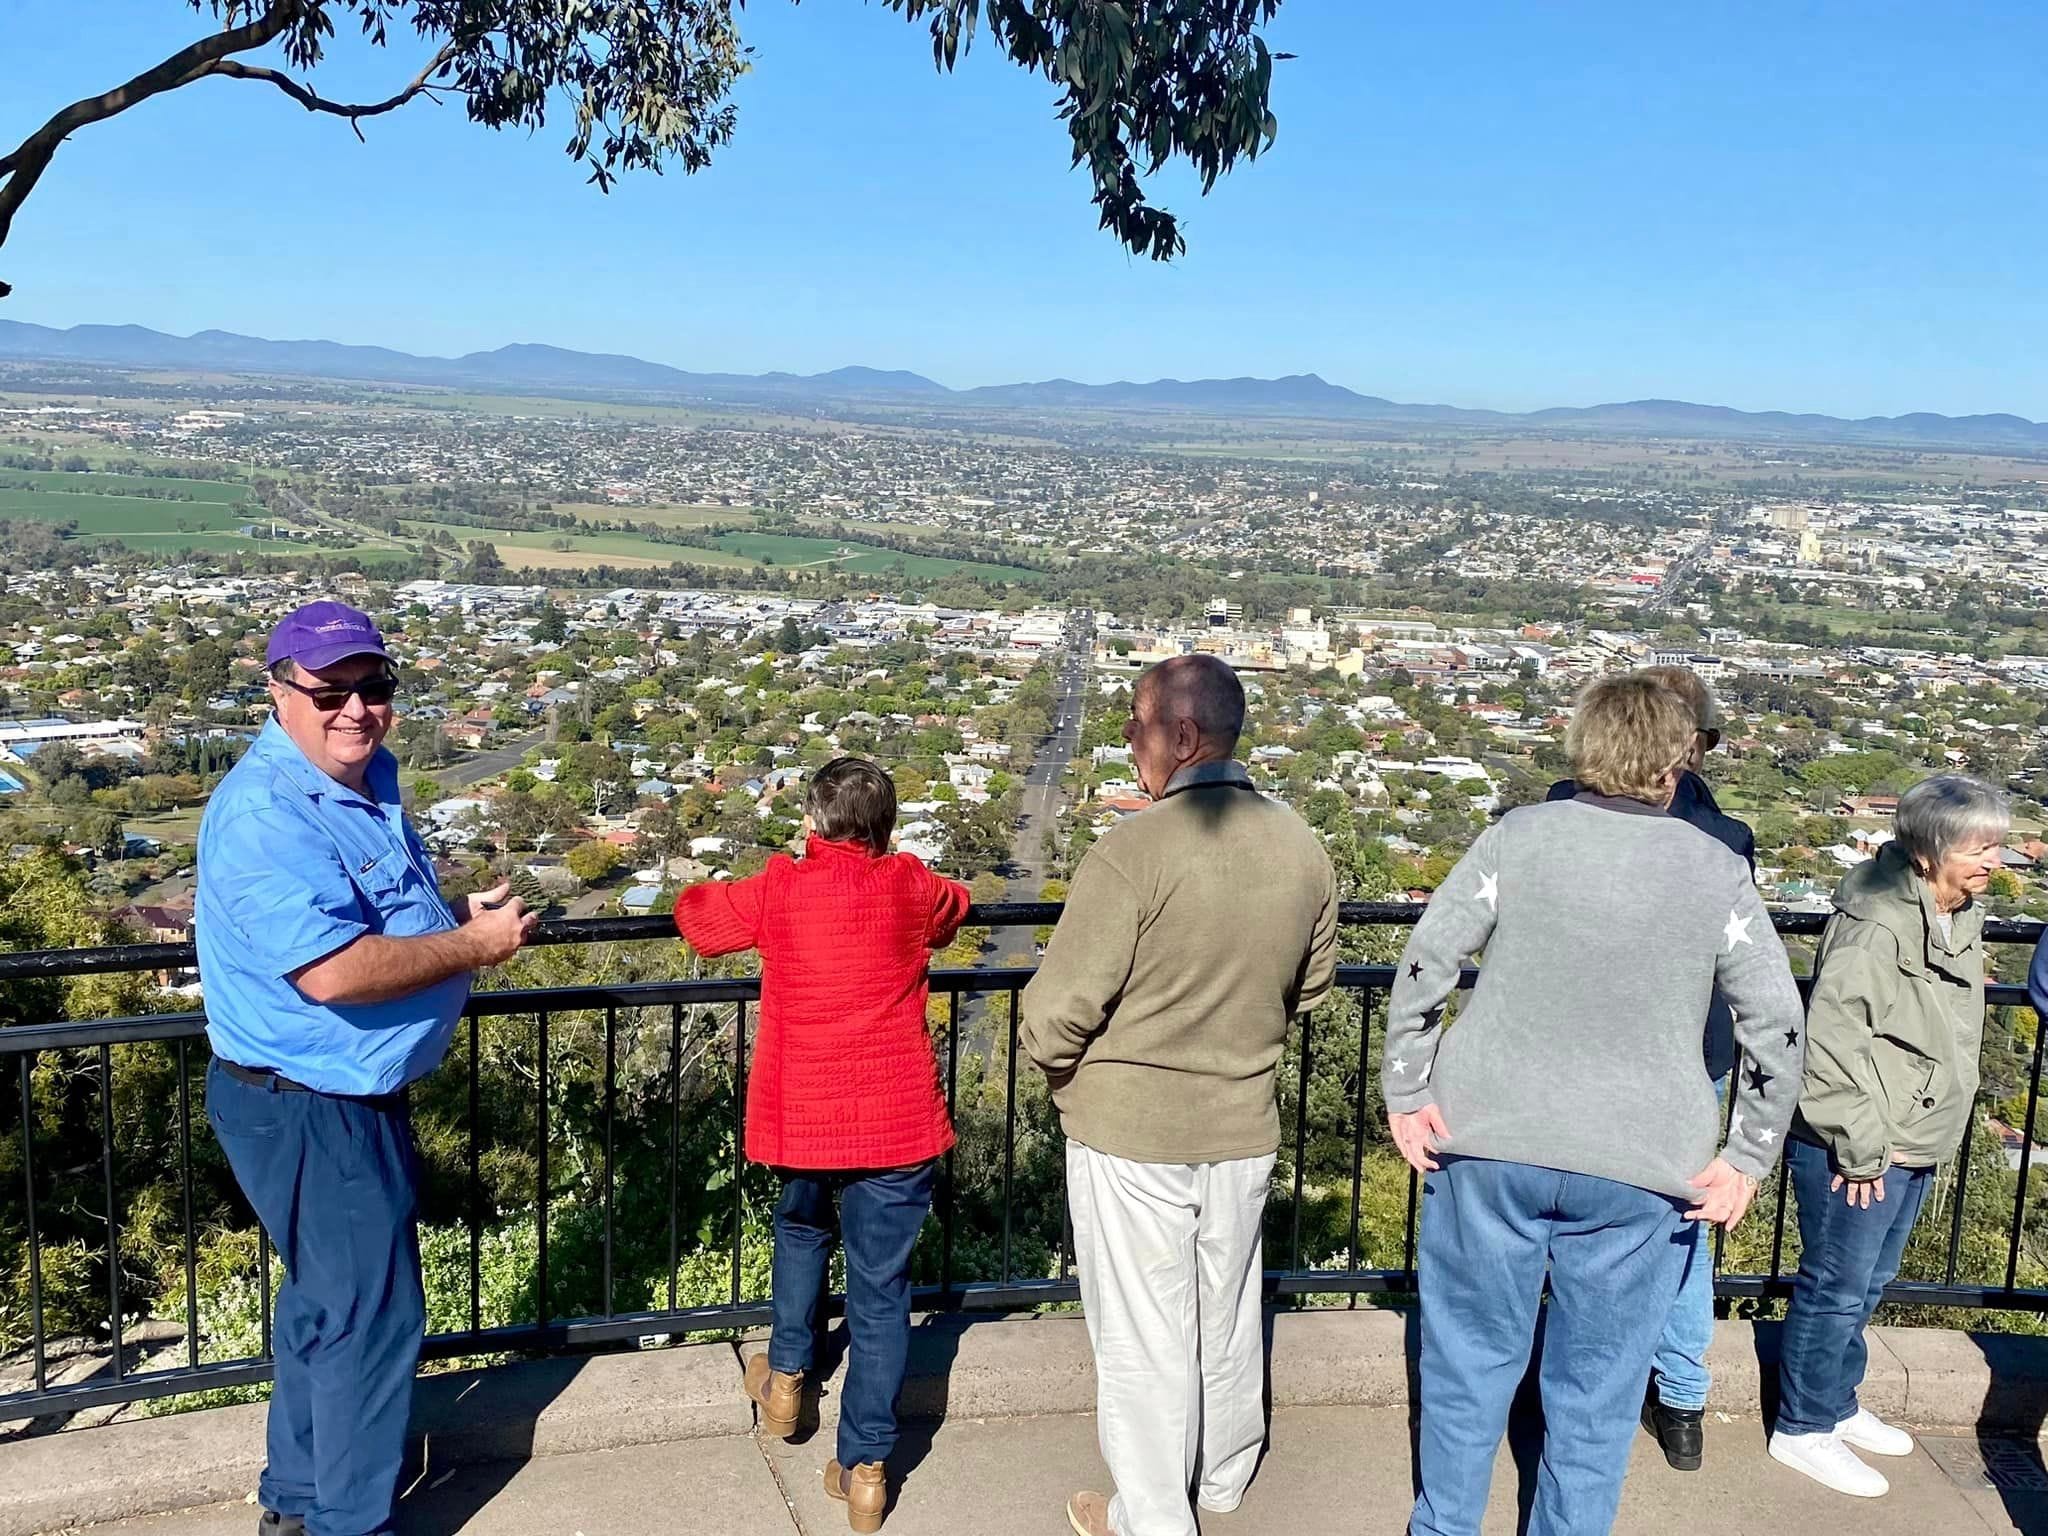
<point>611,1115</point>
<point>1303,1062</point>
<point>476,1181</point>
<point>35,1251</point>
<point>113,1212</point>
<point>675,1140</point>
<point>185,1206</point>
<point>540,1267</point>
<point>1358,1119</point>
<point>1955,1225</point>
<point>2019,1198</point>
<point>1010,1136</point>
<point>949,1208</point>
<point>739,1142</point>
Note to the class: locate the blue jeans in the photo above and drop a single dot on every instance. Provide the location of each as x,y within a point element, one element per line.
<point>879,1217</point>
<point>334,1183</point>
<point>1680,1363</point>
<point>1613,1254</point>
<point>1847,1256</point>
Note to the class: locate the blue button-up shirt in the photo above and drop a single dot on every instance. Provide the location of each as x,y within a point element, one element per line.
<point>294,866</point>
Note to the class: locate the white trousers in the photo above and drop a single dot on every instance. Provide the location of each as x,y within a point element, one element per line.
<point>1170,1277</point>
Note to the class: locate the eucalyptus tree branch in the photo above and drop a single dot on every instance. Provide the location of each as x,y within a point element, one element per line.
<point>24,167</point>
<point>312,101</point>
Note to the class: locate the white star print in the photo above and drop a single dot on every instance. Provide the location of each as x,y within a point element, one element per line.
<point>1399,1068</point>
<point>1767,1136</point>
<point>1737,931</point>
<point>1489,891</point>
<point>1425,1071</point>
<point>1735,1125</point>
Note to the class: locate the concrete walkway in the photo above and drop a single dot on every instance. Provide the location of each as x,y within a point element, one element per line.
<point>1329,1470</point>
<point>999,1429</point>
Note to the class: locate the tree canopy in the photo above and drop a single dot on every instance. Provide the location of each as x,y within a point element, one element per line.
<point>646,83</point>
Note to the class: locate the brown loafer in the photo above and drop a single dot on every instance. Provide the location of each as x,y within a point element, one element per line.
<point>1088,1514</point>
<point>778,1394</point>
<point>863,1490</point>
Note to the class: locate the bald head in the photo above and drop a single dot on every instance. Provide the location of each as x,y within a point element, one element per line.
<point>1199,688</point>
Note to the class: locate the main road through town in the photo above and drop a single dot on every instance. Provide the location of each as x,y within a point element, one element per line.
<point>1043,790</point>
<point>981,1018</point>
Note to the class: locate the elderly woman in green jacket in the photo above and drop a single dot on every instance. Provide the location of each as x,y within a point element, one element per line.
<point>1893,1030</point>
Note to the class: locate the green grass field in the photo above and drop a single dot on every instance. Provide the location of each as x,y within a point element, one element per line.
<point>108,506</point>
<point>225,492</point>
<point>665,517</point>
<point>105,516</point>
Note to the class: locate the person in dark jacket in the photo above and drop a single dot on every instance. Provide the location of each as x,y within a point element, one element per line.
<point>1675,1407</point>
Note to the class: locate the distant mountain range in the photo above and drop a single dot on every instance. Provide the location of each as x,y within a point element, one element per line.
<point>528,368</point>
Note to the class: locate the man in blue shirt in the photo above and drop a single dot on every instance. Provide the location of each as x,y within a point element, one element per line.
<point>334,975</point>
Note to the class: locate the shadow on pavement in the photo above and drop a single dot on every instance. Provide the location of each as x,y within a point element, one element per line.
<point>472,1432</point>
<point>2009,1428</point>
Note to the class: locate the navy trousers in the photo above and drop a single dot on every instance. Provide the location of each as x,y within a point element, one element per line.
<point>334,1182</point>
<point>879,1217</point>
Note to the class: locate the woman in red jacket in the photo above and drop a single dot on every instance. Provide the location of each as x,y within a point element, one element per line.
<point>844,1096</point>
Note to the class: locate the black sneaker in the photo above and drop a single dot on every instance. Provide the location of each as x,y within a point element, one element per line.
<point>274,1524</point>
<point>1680,1432</point>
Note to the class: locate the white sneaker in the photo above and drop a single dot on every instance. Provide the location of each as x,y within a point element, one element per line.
<point>1825,1459</point>
<point>1867,1432</point>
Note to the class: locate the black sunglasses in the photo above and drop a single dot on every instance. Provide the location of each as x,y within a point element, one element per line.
<point>329,697</point>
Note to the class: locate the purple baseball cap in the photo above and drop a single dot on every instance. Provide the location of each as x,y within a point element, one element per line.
<point>320,634</point>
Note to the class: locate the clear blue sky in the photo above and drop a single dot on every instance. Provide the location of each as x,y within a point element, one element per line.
<point>1832,205</point>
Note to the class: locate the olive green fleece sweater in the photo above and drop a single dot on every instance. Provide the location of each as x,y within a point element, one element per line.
<point>1193,933</point>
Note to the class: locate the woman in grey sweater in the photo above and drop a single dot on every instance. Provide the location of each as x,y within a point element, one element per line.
<point>1564,1124</point>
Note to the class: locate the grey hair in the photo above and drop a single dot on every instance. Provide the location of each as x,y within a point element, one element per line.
<point>1938,815</point>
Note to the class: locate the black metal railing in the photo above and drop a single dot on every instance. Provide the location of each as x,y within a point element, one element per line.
<point>698,1030</point>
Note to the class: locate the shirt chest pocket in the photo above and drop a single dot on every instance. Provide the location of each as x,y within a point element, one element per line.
<point>394,899</point>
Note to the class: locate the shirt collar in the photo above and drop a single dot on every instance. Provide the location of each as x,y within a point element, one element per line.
<point>277,747</point>
<point>1229,773</point>
<point>1620,803</point>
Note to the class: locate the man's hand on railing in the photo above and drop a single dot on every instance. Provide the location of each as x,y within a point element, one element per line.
<point>1725,1193</point>
<point>1418,1134</point>
<point>499,923</point>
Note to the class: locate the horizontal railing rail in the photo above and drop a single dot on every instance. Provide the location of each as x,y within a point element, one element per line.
<point>114,959</point>
<point>1318,1184</point>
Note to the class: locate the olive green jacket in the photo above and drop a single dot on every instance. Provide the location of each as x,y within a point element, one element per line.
<point>1894,1024</point>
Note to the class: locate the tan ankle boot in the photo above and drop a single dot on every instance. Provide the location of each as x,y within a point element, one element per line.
<point>778,1394</point>
<point>863,1490</point>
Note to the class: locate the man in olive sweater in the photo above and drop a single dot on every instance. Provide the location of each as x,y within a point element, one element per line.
<point>1193,934</point>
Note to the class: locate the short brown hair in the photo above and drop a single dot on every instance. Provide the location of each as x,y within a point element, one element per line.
<point>1627,732</point>
<point>1197,687</point>
<point>853,801</point>
<point>1692,688</point>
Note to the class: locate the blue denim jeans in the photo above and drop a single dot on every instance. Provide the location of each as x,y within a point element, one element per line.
<point>879,1217</point>
<point>1847,1256</point>
<point>1680,1363</point>
<point>334,1182</point>
<point>1614,1254</point>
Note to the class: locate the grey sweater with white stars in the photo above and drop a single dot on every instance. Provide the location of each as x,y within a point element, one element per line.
<point>1606,926</point>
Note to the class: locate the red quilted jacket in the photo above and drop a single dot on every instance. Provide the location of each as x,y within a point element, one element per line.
<point>843,1074</point>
